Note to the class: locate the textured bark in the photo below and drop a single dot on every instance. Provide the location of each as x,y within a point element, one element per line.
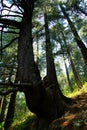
<point>39,100</point>
<point>26,64</point>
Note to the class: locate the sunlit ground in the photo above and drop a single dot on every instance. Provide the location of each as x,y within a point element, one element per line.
<point>78,91</point>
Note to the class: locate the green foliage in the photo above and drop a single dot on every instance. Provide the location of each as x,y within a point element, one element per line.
<point>20,108</point>
<point>25,123</point>
<point>1,125</point>
<point>77,91</point>
<point>83,30</point>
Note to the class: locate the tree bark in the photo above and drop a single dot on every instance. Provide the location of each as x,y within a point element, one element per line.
<point>39,100</point>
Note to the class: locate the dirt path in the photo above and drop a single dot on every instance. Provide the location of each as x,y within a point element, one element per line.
<point>76,118</point>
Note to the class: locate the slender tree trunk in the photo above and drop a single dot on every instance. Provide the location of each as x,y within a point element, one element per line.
<point>77,78</point>
<point>3,108</point>
<point>10,113</point>
<point>67,73</point>
<point>11,106</point>
<point>37,58</point>
<point>77,37</point>
<point>3,102</point>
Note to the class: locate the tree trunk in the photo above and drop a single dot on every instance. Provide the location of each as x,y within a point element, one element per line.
<point>10,113</point>
<point>67,73</point>
<point>39,100</point>
<point>77,78</point>
<point>11,106</point>
<point>3,108</point>
<point>77,37</point>
<point>51,72</point>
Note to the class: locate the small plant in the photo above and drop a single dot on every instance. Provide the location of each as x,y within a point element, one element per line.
<point>1,125</point>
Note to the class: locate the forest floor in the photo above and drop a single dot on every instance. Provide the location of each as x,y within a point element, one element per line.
<point>74,119</point>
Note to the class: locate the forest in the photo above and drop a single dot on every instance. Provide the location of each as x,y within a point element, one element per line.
<point>43,64</point>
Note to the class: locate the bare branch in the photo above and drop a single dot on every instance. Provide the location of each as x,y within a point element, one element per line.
<point>15,84</point>
<point>8,15</point>
<point>8,91</point>
<point>13,32</point>
<point>10,23</point>
<point>13,87</point>
<point>9,43</point>
<point>16,12</point>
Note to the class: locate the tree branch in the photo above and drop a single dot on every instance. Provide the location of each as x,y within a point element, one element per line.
<point>8,15</point>
<point>16,12</point>
<point>13,87</point>
<point>13,32</point>
<point>9,43</point>
<point>10,23</point>
<point>8,92</point>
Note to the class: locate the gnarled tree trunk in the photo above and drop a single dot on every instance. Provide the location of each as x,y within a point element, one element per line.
<point>44,103</point>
